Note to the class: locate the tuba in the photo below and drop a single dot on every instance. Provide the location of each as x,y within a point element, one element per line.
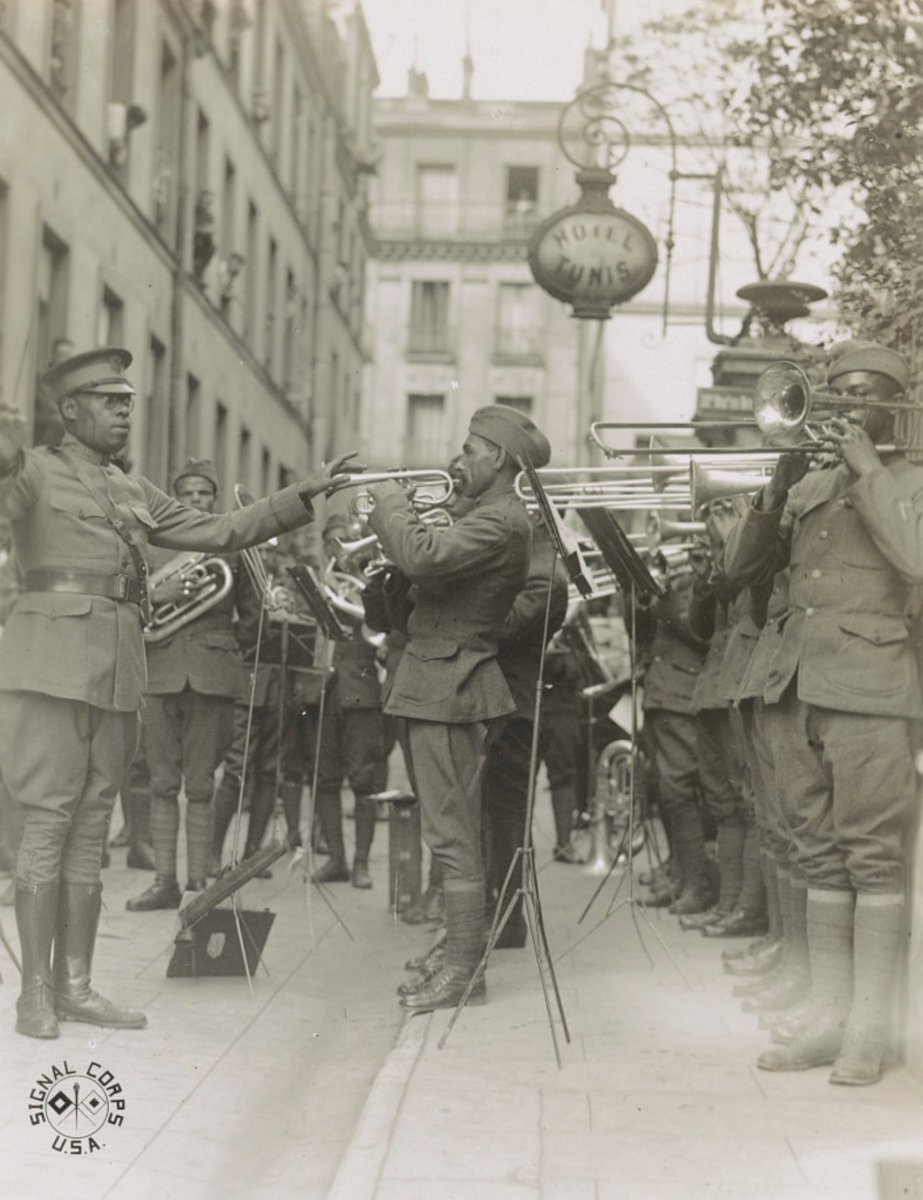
<point>208,579</point>
<point>610,815</point>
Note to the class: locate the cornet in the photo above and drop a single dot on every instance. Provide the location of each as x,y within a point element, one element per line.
<point>432,488</point>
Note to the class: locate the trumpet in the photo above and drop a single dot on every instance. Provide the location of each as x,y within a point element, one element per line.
<point>628,489</point>
<point>707,483</point>
<point>658,529</point>
<point>207,578</point>
<point>432,487</point>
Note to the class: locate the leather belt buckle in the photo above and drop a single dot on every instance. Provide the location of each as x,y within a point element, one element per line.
<point>123,587</point>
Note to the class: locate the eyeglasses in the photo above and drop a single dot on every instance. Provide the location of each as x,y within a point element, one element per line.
<point>114,402</point>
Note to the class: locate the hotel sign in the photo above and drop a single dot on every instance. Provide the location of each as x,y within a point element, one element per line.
<point>593,258</point>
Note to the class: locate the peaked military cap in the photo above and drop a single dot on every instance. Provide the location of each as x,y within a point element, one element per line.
<point>99,371</point>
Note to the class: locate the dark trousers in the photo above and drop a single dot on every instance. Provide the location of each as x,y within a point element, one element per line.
<point>186,736</point>
<point>506,793</point>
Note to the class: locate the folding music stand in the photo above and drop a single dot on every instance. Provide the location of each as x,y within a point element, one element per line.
<point>635,581</point>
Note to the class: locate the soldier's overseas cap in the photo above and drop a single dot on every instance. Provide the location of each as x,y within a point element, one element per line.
<point>869,356</point>
<point>203,468</point>
<point>516,432</point>
<point>100,371</point>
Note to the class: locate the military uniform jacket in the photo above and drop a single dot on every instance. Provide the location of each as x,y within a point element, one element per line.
<point>710,619</point>
<point>521,637</point>
<point>466,579</point>
<point>90,648</point>
<point>203,655</point>
<point>741,644</point>
<point>356,674</point>
<point>676,656</point>
<point>854,551</point>
<point>753,682</point>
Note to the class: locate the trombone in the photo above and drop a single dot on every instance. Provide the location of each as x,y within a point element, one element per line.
<point>784,402</point>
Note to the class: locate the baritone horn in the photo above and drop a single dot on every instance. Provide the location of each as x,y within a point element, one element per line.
<point>207,580</point>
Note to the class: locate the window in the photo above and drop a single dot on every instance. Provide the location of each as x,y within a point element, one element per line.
<point>437,200</point>
<point>521,196</point>
<point>243,457</point>
<point>276,115</point>
<point>220,452</point>
<point>155,466</point>
<point>265,471</point>
<point>288,332</point>
<point>227,235</point>
<point>176,432</point>
<point>294,151</point>
<point>238,21</point>
<point>429,317</point>
<point>62,59</point>
<point>53,282</point>
<point>110,330</point>
<point>251,276</point>
<point>269,344</point>
<point>425,442</point>
<point>193,417</point>
<point>522,403</point>
<point>166,145</point>
<point>121,85</point>
<point>518,331</point>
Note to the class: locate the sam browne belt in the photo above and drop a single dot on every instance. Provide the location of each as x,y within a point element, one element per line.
<point>83,583</point>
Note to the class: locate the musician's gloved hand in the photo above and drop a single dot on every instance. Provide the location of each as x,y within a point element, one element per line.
<point>387,487</point>
<point>789,470</point>
<point>332,477</point>
<point>173,590</point>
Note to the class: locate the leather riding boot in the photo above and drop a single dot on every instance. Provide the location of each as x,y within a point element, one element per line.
<point>224,806</point>
<point>75,940</point>
<point>163,893</point>
<point>563,805</point>
<point>876,949</point>
<point>330,811</point>
<point>262,804</point>
<point>730,838</point>
<point>366,816</point>
<point>36,919</point>
<point>290,794</point>
<point>464,946</point>
<point>199,834</point>
<point>696,894</point>
<point>136,804</point>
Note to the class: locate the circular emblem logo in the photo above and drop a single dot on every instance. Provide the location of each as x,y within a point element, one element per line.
<point>77,1106</point>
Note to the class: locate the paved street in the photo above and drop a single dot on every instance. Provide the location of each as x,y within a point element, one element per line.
<point>315,1088</point>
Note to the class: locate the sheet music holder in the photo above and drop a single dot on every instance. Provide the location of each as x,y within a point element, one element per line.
<point>306,580</point>
<point>619,554</point>
<point>563,539</point>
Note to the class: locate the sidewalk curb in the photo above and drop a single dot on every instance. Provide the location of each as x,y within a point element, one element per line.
<point>360,1167</point>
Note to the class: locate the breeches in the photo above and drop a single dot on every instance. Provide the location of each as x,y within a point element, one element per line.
<point>352,747</point>
<point>559,743</point>
<point>267,740</point>
<point>63,762</point>
<point>848,788</point>
<point>673,738</point>
<point>721,765</point>
<point>186,736</point>
<point>448,770</point>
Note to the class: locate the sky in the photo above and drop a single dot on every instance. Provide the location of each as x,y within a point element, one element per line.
<point>522,49</point>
